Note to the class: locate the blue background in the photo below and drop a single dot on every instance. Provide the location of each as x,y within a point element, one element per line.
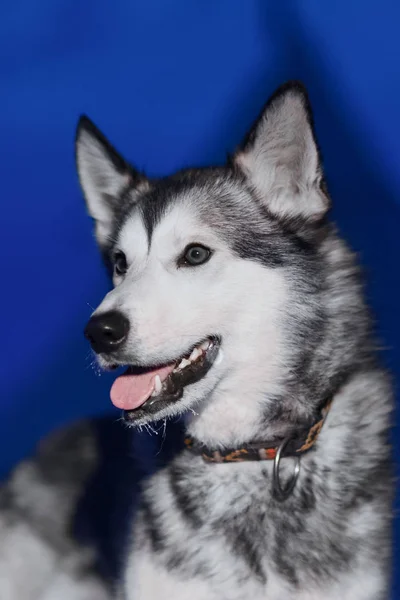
<point>172,83</point>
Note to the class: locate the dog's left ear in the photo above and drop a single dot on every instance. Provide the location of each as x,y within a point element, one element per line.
<point>280,157</point>
<point>105,178</point>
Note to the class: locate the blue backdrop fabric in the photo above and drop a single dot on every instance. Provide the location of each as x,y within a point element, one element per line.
<point>172,83</point>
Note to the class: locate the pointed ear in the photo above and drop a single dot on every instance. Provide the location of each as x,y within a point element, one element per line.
<point>105,178</point>
<point>280,157</point>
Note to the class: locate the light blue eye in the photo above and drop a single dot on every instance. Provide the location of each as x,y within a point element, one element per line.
<point>195,255</point>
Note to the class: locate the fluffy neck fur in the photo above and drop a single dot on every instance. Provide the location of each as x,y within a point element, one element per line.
<point>274,396</point>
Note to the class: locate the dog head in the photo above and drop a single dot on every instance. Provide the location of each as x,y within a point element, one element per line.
<point>215,271</point>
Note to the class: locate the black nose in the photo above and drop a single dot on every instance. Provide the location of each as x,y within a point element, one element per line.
<point>107,332</point>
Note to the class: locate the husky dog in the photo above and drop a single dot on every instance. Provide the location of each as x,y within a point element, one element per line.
<point>236,304</point>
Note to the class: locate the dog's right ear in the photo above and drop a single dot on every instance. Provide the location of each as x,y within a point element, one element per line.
<point>105,178</point>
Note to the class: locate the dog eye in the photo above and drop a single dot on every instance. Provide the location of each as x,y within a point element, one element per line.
<point>120,264</point>
<point>195,255</point>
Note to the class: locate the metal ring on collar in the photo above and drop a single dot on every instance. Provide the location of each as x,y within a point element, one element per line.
<point>283,493</point>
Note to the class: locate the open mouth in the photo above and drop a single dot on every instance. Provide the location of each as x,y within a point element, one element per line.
<point>142,392</point>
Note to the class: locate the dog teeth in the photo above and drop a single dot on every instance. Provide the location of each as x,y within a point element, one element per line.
<point>195,354</point>
<point>157,384</point>
<point>184,363</point>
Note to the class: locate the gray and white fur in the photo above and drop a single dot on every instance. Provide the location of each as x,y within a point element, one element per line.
<point>281,292</point>
<point>39,557</point>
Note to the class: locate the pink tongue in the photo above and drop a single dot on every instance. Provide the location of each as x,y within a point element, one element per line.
<point>131,391</point>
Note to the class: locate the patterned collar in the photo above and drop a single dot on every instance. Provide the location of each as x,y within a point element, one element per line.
<point>302,440</point>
